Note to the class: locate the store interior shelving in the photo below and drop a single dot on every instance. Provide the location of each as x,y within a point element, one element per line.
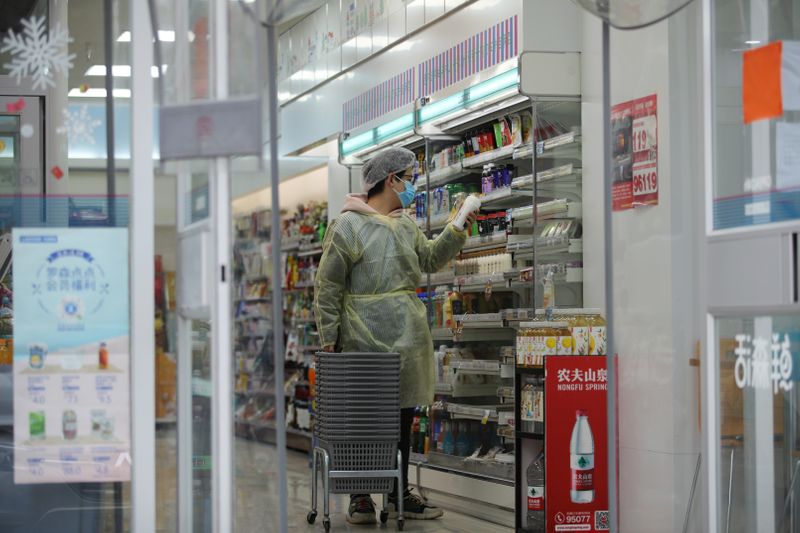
<point>302,235</point>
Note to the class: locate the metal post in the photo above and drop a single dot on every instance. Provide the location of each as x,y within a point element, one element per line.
<point>222,366</point>
<point>111,170</point>
<point>277,295</point>
<point>609,284</point>
<point>142,342</point>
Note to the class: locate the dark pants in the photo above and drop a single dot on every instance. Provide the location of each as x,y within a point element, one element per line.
<point>406,421</point>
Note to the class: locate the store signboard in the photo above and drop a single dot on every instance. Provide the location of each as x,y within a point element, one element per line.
<point>576,461</point>
<point>634,129</point>
<point>71,355</point>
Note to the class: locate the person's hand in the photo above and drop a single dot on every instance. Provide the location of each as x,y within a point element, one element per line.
<point>329,348</point>
<point>471,219</point>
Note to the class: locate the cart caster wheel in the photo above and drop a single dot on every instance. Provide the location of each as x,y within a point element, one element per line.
<point>384,516</point>
<point>311,517</point>
<point>400,524</point>
<point>327,524</point>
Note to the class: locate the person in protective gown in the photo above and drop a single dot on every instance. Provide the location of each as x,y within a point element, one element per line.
<point>365,297</point>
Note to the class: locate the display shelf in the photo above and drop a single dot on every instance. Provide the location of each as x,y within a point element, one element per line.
<point>309,348</point>
<point>473,412</point>
<point>476,366</point>
<point>304,285</point>
<point>507,432</point>
<point>290,246</point>
<point>442,334</point>
<point>529,435</point>
<point>493,156</point>
<point>530,370</point>
<point>480,321</point>
<point>492,470</point>
<point>505,418</point>
<point>506,197</point>
<point>524,152</point>
<point>559,250</point>
<point>444,176</point>
<point>253,300</point>
<point>479,281</point>
<point>437,223</point>
<point>505,392</point>
<point>503,334</point>
<point>478,243</point>
<point>570,188</point>
<point>439,278</point>
<point>566,146</point>
<point>459,390</point>
<point>310,252</point>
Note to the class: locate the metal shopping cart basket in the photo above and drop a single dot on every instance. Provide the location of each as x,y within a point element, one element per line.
<point>357,428</point>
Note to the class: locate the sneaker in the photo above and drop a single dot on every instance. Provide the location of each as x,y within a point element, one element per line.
<point>361,510</point>
<point>414,508</point>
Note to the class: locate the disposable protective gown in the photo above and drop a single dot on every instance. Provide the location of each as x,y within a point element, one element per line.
<point>365,296</point>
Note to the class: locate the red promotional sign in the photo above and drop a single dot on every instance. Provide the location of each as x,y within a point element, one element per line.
<point>634,132</point>
<point>576,458</point>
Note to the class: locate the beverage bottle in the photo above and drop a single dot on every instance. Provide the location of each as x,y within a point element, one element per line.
<point>448,442</point>
<point>423,432</point>
<point>535,476</point>
<point>415,430</point>
<point>581,460</point>
<point>462,441</point>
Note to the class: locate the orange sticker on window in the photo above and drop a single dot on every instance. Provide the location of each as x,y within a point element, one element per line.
<point>761,82</point>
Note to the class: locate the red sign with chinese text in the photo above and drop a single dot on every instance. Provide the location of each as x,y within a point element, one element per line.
<point>576,444</point>
<point>634,131</point>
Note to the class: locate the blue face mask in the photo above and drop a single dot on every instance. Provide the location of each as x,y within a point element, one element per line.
<point>408,194</point>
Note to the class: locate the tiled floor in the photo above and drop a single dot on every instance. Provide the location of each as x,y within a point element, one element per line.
<point>257,501</point>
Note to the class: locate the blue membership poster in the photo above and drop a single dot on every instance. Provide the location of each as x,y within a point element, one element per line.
<point>71,355</point>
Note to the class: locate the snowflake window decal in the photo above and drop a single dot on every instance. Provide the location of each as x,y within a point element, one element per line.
<point>37,54</point>
<point>79,125</point>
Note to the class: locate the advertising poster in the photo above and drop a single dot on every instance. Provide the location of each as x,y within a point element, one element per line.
<point>576,462</point>
<point>71,355</point>
<point>634,137</point>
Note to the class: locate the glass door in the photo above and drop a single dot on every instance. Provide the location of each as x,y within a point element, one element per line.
<point>753,221</point>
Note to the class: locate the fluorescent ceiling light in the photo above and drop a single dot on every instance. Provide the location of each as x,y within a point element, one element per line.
<point>359,141</point>
<point>98,93</point>
<point>439,108</point>
<point>120,71</point>
<point>406,122</point>
<point>492,85</point>
<point>165,36</point>
<point>752,42</point>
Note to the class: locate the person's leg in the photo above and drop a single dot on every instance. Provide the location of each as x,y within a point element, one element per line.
<point>406,420</point>
<point>414,507</point>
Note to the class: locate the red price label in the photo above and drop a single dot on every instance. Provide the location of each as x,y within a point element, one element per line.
<point>645,179</point>
<point>644,133</point>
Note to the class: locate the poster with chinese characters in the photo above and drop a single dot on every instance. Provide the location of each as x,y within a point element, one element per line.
<point>71,355</point>
<point>576,458</point>
<point>634,152</point>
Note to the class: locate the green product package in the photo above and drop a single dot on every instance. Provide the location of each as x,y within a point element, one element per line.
<point>36,424</point>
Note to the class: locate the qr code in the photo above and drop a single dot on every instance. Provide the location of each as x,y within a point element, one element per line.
<point>601,521</point>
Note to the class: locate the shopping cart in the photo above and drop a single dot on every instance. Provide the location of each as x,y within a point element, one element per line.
<point>357,428</point>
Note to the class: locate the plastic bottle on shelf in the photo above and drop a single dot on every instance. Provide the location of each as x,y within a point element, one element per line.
<point>535,478</point>
<point>448,441</point>
<point>423,441</point>
<point>463,440</point>
<point>415,430</point>
<point>597,333</point>
<point>581,460</point>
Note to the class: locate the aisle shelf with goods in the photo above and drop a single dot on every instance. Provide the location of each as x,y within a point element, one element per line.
<point>523,156</point>
<point>302,235</point>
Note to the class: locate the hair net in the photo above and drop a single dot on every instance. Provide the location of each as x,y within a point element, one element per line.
<point>386,162</point>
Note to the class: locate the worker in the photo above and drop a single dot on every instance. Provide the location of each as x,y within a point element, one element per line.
<point>365,296</point>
